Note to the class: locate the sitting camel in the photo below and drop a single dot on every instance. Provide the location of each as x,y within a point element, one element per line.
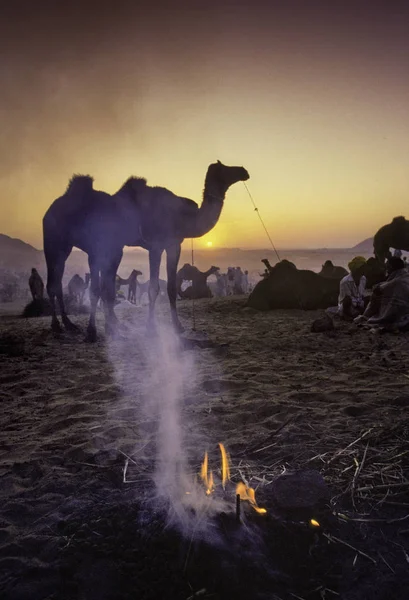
<point>77,288</point>
<point>132,283</point>
<point>393,235</point>
<point>330,271</point>
<point>137,215</point>
<point>284,286</point>
<point>36,285</point>
<point>199,287</point>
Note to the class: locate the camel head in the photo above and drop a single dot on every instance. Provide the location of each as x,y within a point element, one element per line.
<point>135,273</point>
<point>328,264</point>
<point>222,177</point>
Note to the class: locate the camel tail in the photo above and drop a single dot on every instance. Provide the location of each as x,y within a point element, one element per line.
<point>79,185</point>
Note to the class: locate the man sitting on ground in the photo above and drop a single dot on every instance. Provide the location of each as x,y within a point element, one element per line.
<point>389,305</point>
<point>351,301</point>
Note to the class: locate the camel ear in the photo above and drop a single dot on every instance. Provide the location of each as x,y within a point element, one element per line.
<point>218,162</point>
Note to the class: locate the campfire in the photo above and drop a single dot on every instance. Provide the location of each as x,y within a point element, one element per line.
<point>235,494</point>
<point>243,493</point>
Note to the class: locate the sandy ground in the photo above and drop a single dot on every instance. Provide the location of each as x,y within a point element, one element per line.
<point>74,414</point>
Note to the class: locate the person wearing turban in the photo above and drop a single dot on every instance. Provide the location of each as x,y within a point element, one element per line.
<point>351,301</point>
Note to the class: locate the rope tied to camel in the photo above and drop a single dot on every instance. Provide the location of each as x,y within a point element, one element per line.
<point>193,299</point>
<point>261,220</point>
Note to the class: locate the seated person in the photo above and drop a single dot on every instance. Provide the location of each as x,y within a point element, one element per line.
<point>351,301</point>
<point>389,304</point>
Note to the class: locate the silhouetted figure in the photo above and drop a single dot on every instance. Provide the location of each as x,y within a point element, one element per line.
<point>393,235</point>
<point>131,282</point>
<point>351,301</point>
<point>77,288</point>
<point>36,285</point>
<point>137,215</point>
<point>331,271</point>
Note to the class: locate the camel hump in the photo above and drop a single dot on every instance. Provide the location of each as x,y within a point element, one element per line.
<point>399,220</point>
<point>80,184</point>
<point>133,185</point>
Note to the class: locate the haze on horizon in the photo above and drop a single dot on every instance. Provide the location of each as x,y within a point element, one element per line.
<point>312,98</point>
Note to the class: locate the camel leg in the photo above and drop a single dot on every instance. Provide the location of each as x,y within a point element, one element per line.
<point>155,256</point>
<point>172,260</point>
<point>94,298</point>
<point>55,273</point>
<point>108,293</point>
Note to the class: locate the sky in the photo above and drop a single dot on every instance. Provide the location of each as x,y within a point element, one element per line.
<point>311,97</point>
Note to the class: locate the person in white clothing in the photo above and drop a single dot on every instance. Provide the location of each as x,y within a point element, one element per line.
<point>351,300</point>
<point>245,282</point>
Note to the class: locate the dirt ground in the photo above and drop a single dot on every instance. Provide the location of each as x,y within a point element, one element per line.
<point>80,438</point>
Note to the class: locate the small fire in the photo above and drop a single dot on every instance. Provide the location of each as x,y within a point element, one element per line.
<point>242,490</point>
<point>314,523</point>
<point>207,477</point>
<point>248,493</point>
<point>225,465</point>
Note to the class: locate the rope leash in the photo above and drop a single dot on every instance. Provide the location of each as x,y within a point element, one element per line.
<point>261,220</point>
<point>193,300</point>
<point>268,235</point>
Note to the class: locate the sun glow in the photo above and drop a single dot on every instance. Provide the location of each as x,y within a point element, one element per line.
<point>209,244</point>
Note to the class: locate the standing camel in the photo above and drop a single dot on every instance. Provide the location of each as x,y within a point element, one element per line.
<point>131,282</point>
<point>36,285</point>
<point>77,287</point>
<point>393,235</point>
<point>137,215</point>
<point>199,287</point>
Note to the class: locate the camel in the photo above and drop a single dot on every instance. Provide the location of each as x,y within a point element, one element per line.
<point>287,287</point>
<point>77,287</point>
<point>137,215</point>
<point>199,287</point>
<point>143,288</point>
<point>131,282</point>
<point>393,235</point>
<point>330,271</point>
<point>36,285</point>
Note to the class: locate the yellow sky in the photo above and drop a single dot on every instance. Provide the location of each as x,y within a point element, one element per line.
<point>319,120</point>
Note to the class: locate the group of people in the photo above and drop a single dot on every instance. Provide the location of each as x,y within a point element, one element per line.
<point>387,305</point>
<point>235,281</point>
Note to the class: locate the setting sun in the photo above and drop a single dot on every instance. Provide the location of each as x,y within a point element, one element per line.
<point>209,244</point>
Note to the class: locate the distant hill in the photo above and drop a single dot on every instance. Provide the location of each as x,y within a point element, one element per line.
<point>365,246</point>
<point>16,254</point>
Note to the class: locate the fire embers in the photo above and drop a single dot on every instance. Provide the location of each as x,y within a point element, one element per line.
<point>242,491</point>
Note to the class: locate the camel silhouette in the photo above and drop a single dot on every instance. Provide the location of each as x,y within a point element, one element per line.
<point>199,287</point>
<point>330,271</point>
<point>137,215</point>
<point>131,282</point>
<point>393,235</point>
<point>36,285</point>
<point>143,288</point>
<point>77,287</point>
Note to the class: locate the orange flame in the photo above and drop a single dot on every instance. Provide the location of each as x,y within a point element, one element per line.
<point>314,523</point>
<point>225,465</point>
<point>206,477</point>
<point>248,493</point>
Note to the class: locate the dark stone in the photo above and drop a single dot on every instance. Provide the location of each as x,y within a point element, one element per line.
<point>325,323</point>
<point>300,490</point>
